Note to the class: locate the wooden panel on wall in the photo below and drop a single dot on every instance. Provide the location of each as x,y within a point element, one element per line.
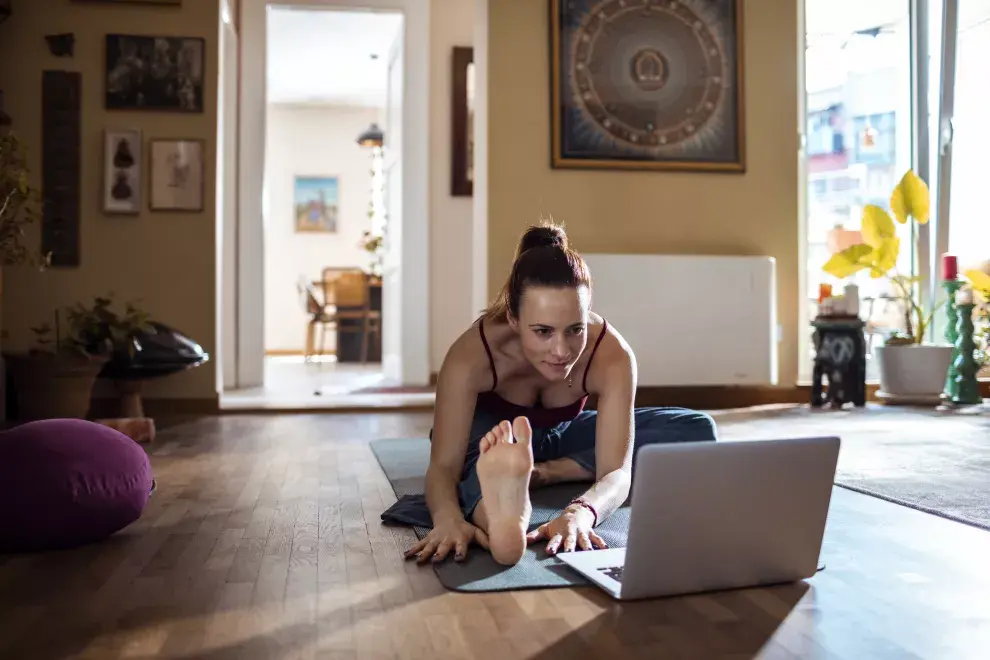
<point>60,145</point>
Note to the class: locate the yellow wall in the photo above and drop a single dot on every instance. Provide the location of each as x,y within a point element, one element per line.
<point>620,211</point>
<point>168,260</point>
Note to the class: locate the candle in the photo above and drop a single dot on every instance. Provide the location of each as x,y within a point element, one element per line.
<point>964,296</point>
<point>950,267</point>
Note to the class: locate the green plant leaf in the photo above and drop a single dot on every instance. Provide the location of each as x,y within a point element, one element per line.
<point>848,262</point>
<point>910,198</point>
<point>877,226</point>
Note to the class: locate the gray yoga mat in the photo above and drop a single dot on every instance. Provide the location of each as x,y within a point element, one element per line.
<point>405,461</point>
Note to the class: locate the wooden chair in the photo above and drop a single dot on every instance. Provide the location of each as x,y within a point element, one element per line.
<point>348,298</point>
<point>317,311</point>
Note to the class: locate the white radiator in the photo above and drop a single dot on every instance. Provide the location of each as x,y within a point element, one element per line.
<point>692,320</point>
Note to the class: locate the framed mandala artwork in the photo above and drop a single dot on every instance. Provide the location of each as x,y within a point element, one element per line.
<point>647,84</point>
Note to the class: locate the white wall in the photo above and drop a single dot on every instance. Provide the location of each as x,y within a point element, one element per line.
<point>312,140</point>
<point>451,309</point>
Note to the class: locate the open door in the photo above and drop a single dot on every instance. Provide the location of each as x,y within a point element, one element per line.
<point>227,197</point>
<point>392,281</point>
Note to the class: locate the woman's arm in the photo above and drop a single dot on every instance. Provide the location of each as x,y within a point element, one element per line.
<point>453,413</point>
<point>457,391</point>
<point>614,432</point>
<point>613,377</point>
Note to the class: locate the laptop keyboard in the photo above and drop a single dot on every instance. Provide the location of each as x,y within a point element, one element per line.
<point>614,572</point>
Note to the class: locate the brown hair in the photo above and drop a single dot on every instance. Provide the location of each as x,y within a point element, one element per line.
<point>543,258</point>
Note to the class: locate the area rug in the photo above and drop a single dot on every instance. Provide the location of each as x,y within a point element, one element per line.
<point>405,461</point>
<point>937,461</point>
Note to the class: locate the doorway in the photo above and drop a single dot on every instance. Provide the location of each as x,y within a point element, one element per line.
<point>328,227</point>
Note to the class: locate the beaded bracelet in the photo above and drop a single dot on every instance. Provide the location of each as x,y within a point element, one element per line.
<point>583,502</point>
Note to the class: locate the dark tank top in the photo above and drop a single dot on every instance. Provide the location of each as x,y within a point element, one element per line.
<point>539,417</point>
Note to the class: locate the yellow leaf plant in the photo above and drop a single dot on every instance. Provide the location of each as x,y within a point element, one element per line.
<point>880,248</point>
<point>979,281</point>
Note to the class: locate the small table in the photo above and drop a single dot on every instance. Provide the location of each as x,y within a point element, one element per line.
<point>840,357</point>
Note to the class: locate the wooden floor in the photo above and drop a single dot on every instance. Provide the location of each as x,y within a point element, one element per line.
<point>263,541</point>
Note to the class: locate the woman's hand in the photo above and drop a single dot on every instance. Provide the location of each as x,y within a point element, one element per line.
<point>454,533</point>
<point>571,528</point>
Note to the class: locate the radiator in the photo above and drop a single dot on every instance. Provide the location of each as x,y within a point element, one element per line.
<point>691,319</point>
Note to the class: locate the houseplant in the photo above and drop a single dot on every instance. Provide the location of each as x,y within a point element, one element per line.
<point>18,202</point>
<point>979,281</point>
<point>55,377</point>
<point>908,365</point>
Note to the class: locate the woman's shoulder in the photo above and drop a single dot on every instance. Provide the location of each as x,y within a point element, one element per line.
<point>613,357</point>
<point>467,359</point>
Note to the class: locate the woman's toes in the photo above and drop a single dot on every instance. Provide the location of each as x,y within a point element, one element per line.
<point>505,431</point>
<point>486,442</point>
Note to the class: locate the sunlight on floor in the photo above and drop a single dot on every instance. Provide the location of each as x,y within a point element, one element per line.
<point>292,383</point>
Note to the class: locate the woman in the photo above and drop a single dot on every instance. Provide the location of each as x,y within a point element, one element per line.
<point>510,416</point>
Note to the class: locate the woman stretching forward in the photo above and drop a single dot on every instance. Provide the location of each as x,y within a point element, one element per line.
<point>533,358</point>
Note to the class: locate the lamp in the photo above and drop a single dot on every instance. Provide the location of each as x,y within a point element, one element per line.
<point>371,137</point>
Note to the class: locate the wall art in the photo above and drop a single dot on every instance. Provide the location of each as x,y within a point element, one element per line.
<point>177,175</point>
<point>122,171</point>
<point>647,84</point>
<point>61,169</point>
<point>154,73</point>
<point>462,123</point>
<point>316,203</point>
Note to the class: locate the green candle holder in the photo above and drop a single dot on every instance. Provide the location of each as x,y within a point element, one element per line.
<point>951,334</point>
<point>967,387</point>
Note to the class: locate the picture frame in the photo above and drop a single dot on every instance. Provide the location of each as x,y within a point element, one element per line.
<point>174,3</point>
<point>316,204</point>
<point>660,89</point>
<point>462,122</point>
<point>122,172</point>
<point>151,72</point>
<point>177,174</point>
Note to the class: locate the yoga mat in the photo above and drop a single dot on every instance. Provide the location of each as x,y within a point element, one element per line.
<point>405,461</point>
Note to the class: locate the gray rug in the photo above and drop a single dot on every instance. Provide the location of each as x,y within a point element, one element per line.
<point>937,461</point>
<point>405,461</point>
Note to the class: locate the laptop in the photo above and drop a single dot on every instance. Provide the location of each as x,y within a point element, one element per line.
<point>710,516</point>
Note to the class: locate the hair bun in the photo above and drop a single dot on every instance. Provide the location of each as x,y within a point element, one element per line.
<point>547,235</point>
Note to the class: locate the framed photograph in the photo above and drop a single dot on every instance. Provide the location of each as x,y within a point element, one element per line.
<point>462,123</point>
<point>177,176</point>
<point>175,3</point>
<point>122,171</point>
<point>317,203</point>
<point>154,73</point>
<point>647,84</point>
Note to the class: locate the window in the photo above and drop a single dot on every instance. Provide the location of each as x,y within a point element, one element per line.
<point>859,128</point>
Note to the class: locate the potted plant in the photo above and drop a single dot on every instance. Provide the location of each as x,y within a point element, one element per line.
<point>54,379</point>
<point>18,202</point>
<point>979,281</point>
<point>909,366</point>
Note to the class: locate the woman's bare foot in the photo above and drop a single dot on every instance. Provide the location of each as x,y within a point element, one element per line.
<point>504,469</point>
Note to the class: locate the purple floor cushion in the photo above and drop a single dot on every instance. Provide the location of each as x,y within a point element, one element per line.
<point>67,482</point>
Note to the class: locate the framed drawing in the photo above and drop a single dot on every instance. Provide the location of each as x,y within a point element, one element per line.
<point>647,84</point>
<point>316,203</point>
<point>122,172</point>
<point>462,123</point>
<point>177,176</point>
<point>154,73</point>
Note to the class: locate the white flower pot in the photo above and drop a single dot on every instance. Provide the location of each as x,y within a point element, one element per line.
<point>913,369</point>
